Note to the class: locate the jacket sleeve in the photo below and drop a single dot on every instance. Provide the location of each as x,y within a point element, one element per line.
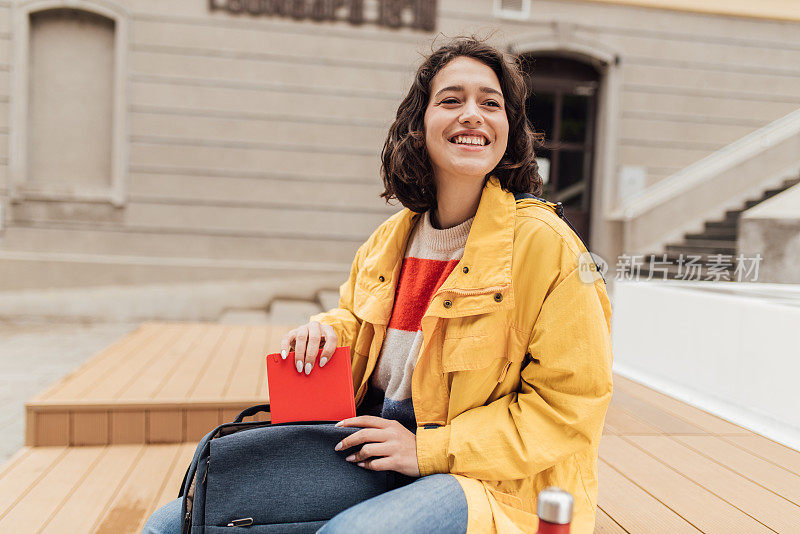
<point>342,318</point>
<point>559,408</point>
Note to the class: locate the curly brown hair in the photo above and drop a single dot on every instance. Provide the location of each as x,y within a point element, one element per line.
<point>405,165</point>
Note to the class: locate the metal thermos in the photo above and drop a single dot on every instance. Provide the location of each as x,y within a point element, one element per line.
<point>554,509</point>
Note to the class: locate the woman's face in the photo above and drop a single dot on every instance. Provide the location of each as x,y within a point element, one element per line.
<point>465,95</point>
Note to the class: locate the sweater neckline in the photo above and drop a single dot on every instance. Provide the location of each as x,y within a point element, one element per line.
<point>447,239</point>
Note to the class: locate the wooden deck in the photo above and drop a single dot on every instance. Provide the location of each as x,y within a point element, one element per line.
<point>665,466</point>
<point>162,383</point>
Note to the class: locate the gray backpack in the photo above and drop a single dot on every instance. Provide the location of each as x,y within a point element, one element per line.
<point>281,478</point>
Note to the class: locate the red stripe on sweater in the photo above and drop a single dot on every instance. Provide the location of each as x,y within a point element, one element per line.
<point>419,280</point>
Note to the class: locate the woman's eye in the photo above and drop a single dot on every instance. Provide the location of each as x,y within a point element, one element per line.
<point>451,100</point>
<point>493,102</point>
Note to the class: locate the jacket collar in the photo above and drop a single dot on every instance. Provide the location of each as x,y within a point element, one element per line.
<point>487,254</point>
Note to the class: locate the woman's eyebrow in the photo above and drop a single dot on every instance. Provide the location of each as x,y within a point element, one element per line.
<point>461,88</point>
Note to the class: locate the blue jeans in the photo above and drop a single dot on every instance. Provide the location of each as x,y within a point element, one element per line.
<point>434,503</point>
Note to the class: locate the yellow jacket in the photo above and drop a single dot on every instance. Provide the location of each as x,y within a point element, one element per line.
<point>513,378</point>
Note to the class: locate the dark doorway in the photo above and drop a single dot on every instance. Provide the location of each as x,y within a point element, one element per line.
<point>563,105</point>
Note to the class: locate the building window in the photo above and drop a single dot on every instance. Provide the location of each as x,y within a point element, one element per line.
<point>68,103</point>
<point>70,96</point>
<point>512,9</point>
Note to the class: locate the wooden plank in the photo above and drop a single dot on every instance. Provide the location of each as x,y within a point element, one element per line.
<point>770,476</point>
<point>180,379</point>
<point>695,504</point>
<point>273,344</point>
<point>74,384</point>
<point>201,422</point>
<point>48,492</point>
<point>768,450</point>
<point>125,372</point>
<point>51,428</point>
<point>81,508</point>
<point>128,427</point>
<point>622,422</point>
<point>89,428</point>
<point>697,417</point>
<point>765,506</point>
<point>149,380</point>
<point>635,509</point>
<point>23,471</point>
<point>655,416</point>
<point>171,482</point>
<point>210,379</point>
<point>165,426</point>
<point>132,503</point>
<point>603,524</point>
<point>244,380</point>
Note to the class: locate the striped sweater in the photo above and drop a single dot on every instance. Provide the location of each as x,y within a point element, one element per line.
<point>430,257</point>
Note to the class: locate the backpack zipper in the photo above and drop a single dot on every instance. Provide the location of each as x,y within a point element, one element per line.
<point>244,522</point>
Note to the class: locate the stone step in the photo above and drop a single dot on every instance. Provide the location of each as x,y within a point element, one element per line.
<point>716,235</point>
<point>674,257</point>
<point>292,312</point>
<point>674,273</point>
<point>704,246</point>
<point>722,226</point>
<point>789,182</point>
<point>328,299</point>
<point>732,215</point>
<point>244,316</point>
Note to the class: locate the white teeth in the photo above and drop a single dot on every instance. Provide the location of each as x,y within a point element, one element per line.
<point>469,140</point>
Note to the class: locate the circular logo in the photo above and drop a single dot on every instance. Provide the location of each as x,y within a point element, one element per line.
<point>591,267</point>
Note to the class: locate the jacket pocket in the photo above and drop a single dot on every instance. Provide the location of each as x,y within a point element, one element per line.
<point>479,352</point>
<point>505,498</point>
<point>511,506</point>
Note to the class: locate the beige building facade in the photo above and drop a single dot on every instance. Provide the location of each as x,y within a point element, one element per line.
<point>151,141</point>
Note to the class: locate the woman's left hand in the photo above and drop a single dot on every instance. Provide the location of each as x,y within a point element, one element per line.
<point>394,444</point>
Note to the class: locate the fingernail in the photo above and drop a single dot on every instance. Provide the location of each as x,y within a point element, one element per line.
<point>351,458</point>
<point>339,423</point>
<point>299,366</point>
<point>284,354</point>
<point>338,446</point>
<point>308,367</point>
<point>323,361</point>
<point>360,464</point>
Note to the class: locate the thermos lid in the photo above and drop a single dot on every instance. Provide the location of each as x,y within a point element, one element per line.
<point>555,506</point>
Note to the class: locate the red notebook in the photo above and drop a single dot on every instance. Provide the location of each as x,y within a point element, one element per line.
<point>325,394</point>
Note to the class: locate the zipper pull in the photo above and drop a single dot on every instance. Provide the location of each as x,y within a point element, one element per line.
<point>244,522</point>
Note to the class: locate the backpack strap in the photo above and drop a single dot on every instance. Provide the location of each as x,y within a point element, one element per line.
<point>560,211</point>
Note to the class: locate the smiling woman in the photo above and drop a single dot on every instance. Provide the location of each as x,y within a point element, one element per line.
<point>482,359</point>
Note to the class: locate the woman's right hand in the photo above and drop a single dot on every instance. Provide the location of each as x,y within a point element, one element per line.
<point>305,341</point>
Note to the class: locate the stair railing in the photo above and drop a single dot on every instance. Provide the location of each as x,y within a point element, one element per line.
<point>707,188</point>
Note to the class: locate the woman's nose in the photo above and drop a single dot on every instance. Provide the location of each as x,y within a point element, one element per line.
<point>471,113</point>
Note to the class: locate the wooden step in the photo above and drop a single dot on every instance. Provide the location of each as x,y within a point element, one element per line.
<point>665,466</point>
<point>103,490</point>
<point>162,383</point>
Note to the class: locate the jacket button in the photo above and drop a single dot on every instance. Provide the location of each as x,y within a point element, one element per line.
<point>447,303</point>
<point>465,269</point>
<point>381,278</point>
<point>498,297</point>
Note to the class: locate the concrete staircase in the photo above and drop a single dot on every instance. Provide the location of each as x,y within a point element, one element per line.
<point>706,255</point>
<point>282,311</point>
